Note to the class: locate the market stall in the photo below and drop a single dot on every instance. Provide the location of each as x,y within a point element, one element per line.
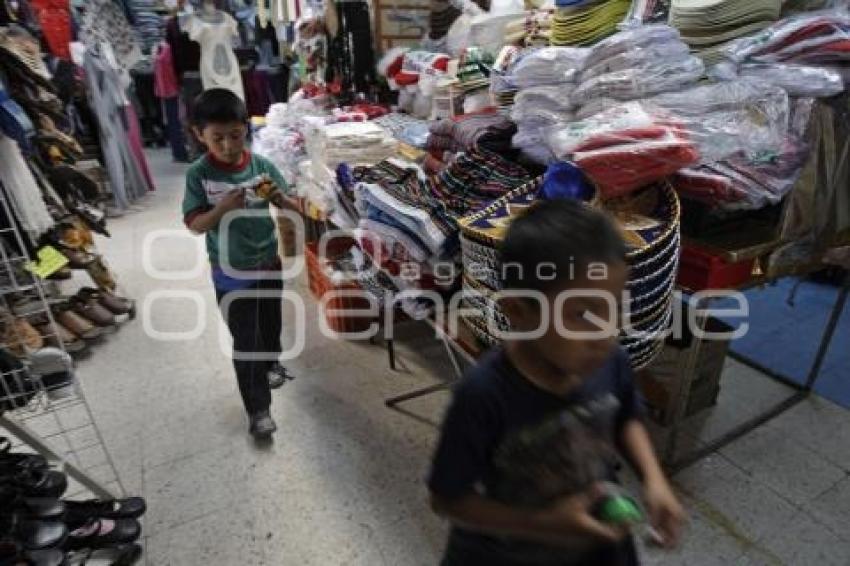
<point>714,147</point>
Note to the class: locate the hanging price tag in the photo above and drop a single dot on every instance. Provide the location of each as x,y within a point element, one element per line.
<point>50,260</point>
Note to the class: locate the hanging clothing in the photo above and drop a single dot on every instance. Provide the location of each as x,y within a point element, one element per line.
<point>108,101</point>
<point>22,190</point>
<point>54,17</point>
<point>165,79</point>
<point>351,57</point>
<point>219,67</point>
<point>185,52</point>
<point>134,135</point>
<point>267,44</point>
<point>105,22</point>
<point>175,129</point>
<point>148,107</point>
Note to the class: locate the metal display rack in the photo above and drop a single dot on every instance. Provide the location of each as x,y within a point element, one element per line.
<point>55,422</point>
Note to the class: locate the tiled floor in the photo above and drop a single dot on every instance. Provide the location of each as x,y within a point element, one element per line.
<point>342,484</point>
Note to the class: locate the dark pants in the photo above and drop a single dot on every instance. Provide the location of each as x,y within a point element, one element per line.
<point>175,128</point>
<point>255,324</point>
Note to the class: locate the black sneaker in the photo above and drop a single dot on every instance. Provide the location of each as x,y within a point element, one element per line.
<point>262,425</point>
<point>278,376</point>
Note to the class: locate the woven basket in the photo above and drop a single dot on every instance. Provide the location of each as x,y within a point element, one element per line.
<point>653,253</point>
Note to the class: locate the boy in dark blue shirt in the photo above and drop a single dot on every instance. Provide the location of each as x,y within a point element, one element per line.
<point>536,426</point>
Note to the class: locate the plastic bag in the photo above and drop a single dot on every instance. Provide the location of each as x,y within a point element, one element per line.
<point>539,116</point>
<point>658,76</point>
<point>555,98</point>
<point>798,80</point>
<point>457,38</point>
<point>808,30</point>
<point>595,106</point>
<point>547,66</point>
<point>638,57</point>
<point>624,148</point>
<point>723,118</point>
<point>628,40</point>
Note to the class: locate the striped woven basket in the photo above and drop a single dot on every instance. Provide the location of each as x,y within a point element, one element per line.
<point>652,217</point>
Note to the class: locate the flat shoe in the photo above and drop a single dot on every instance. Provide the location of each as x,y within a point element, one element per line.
<point>77,324</point>
<point>100,533</point>
<point>93,311</point>
<point>129,508</point>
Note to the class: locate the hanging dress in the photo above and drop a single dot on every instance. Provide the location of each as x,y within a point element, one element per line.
<point>219,67</point>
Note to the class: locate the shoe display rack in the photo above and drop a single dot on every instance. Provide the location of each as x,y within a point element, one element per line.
<point>42,404</point>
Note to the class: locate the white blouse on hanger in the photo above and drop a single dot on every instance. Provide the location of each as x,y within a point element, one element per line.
<point>219,67</point>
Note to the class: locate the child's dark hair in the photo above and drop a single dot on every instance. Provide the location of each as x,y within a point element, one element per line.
<point>564,235</point>
<point>218,106</point>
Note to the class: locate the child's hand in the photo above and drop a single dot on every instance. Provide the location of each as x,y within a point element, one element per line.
<point>572,519</point>
<point>665,511</point>
<point>233,200</point>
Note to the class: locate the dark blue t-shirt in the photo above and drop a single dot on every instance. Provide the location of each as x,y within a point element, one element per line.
<point>516,443</point>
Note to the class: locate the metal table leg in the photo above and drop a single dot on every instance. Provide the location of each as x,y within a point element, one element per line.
<point>415,394</point>
<point>828,332</point>
<point>802,392</point>
<point>682,393</point>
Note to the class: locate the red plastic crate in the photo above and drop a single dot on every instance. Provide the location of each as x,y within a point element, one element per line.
<point>700,269</point>
<point>320,284</point>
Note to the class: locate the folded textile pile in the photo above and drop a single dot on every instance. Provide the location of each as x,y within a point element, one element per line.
<point>546,66</point>
<point>545,79</point>
<point>351,142</point>
<point>583,22</point>
<point>486,129</point>
<point>624,148</point>
<point>397,124</point>
<point>474,179</point>
<point>637,63</point>
<point>745,181</point>
<point>416,215</point>
<point>707,24</point>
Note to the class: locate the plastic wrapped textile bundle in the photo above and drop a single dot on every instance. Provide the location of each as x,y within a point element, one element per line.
<point>816,37</point>
<point>638,57</point>
<point>798,80</point>
<point>727,117</point>
<point>547,66</point>
<point>654,78</point>
<point>624,148</point>
<point>629,40</point>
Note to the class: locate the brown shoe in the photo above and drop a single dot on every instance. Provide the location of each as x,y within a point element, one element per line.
<point>77,324</point>
<point>19,336</point>
<point>111,302</point>
<point>57,336</point>
<point>93,311</point>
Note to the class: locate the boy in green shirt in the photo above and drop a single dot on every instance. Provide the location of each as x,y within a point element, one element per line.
<point>227,197</point>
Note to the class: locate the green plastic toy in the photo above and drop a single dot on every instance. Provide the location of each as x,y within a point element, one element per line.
<point>619,509</point>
